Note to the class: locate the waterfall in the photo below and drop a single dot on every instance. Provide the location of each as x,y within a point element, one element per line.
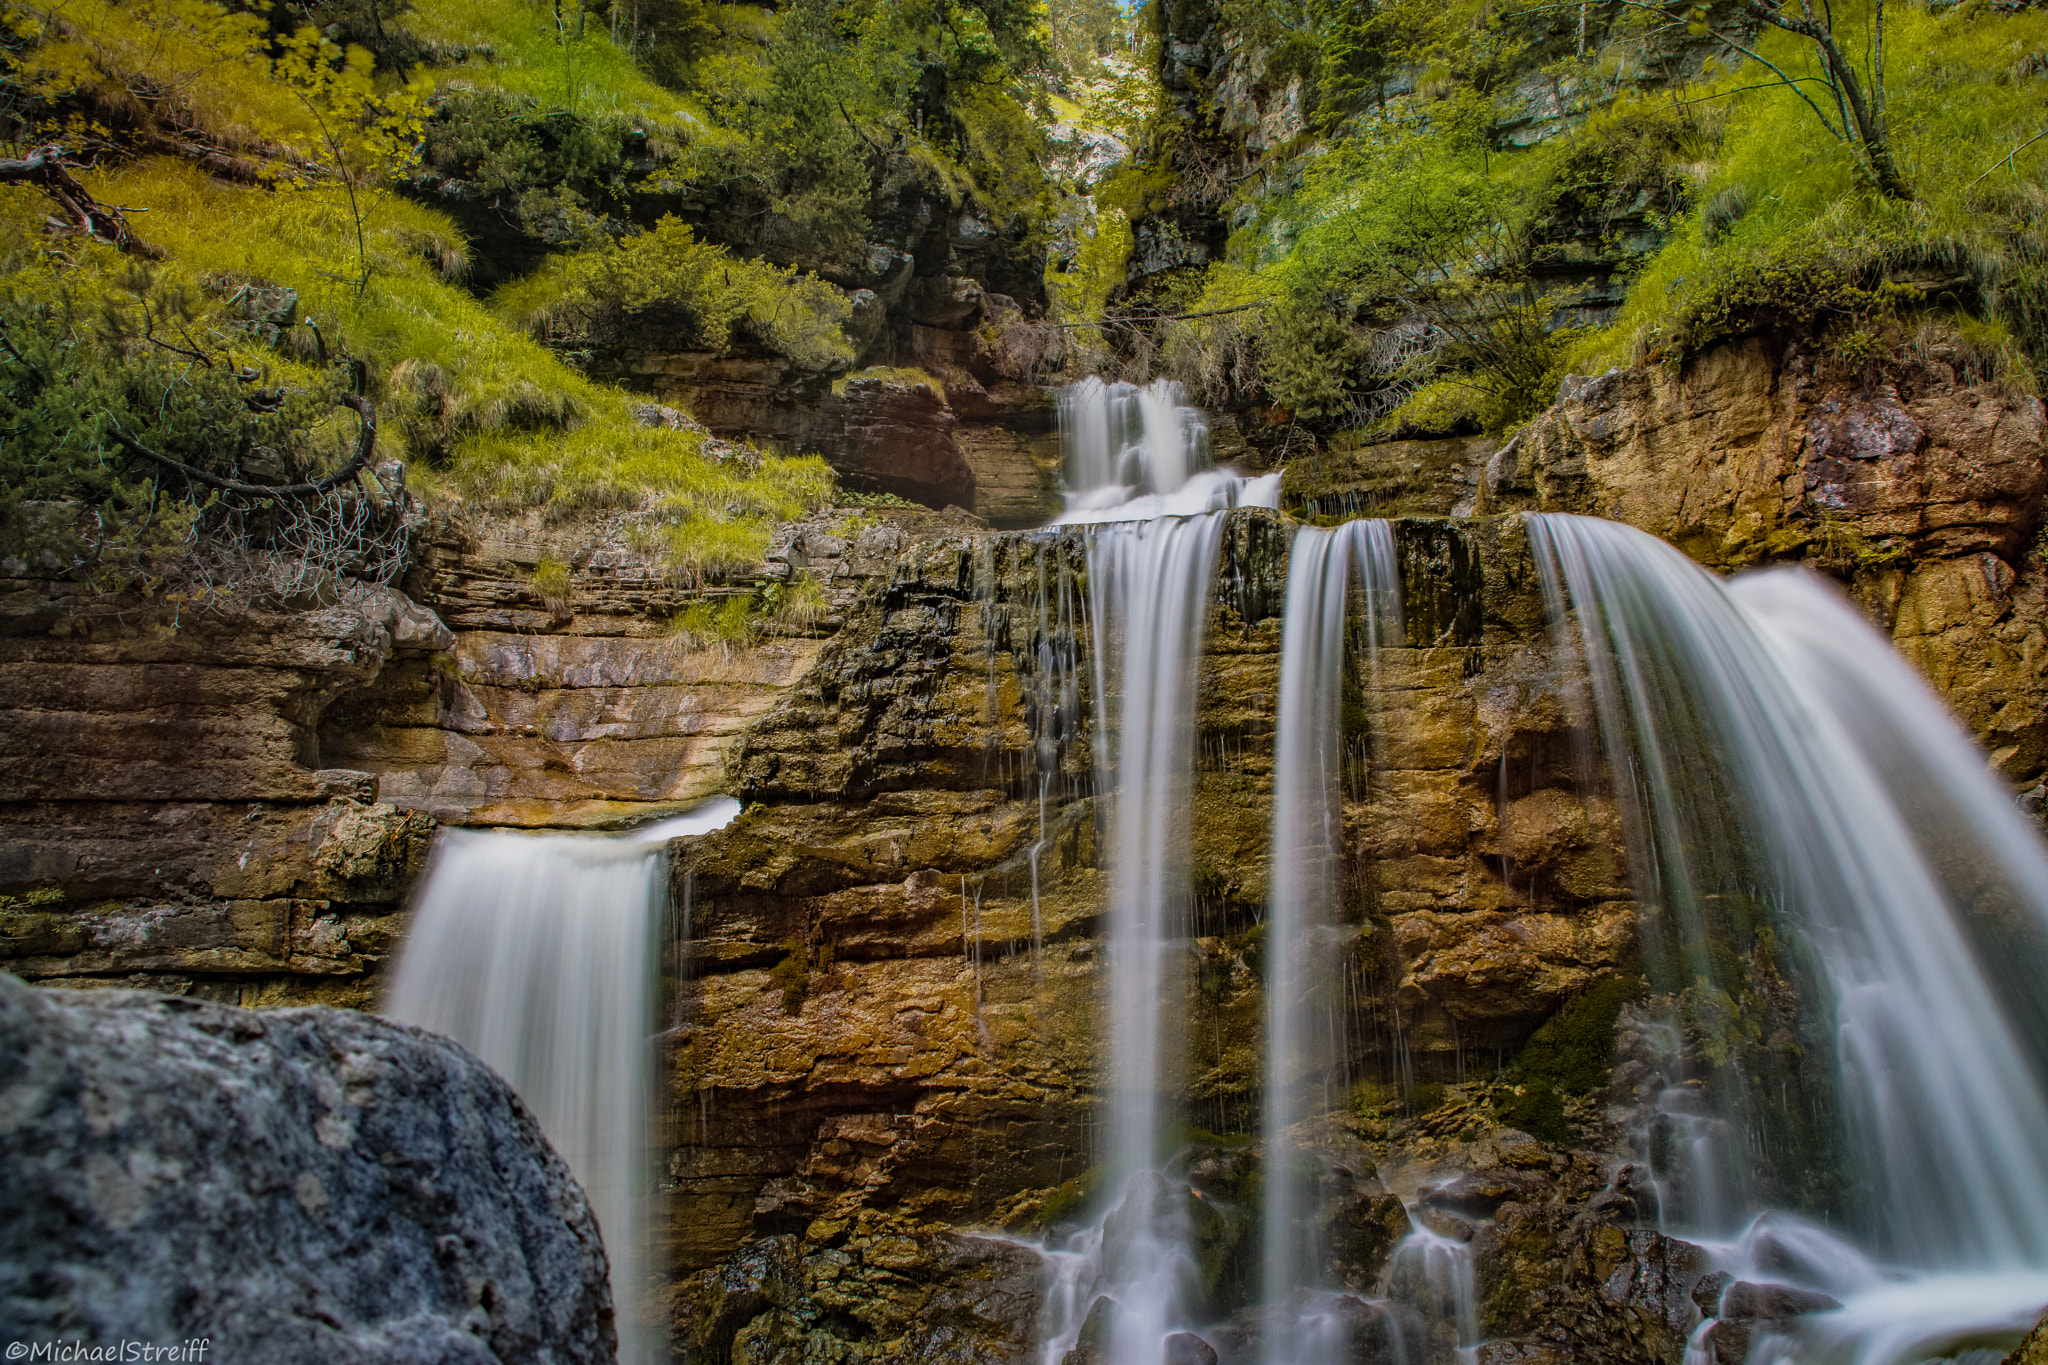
<point>1304,1031</point>
<point>1804,819</point>
<point>1134,454</point>
<point>538,953</point>
<point>1139,476</point>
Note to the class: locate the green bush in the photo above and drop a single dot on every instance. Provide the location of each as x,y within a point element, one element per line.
<point>153,358</point>
<point>595,297</point>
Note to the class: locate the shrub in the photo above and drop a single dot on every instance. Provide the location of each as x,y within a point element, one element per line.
<point>594,297</point>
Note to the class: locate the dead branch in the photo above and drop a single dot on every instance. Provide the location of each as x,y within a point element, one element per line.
<point>365,443</point>
<point>44,169</point>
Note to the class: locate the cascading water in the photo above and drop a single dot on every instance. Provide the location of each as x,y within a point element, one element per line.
<point>1135,454</point>
<point>1136,464</point>
<point>1304,1035</point>
<point>1805,819</point>
<point>538,952</point>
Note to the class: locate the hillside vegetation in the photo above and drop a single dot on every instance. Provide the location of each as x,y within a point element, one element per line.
<point>273,207</point>
<point>1415,256</point>
<point>444,208</point>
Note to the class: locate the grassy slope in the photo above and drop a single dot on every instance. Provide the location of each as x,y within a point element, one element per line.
<point>1770,223</point>
<point>529,429</point>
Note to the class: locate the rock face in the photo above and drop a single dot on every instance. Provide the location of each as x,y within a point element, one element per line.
<point>305,1185</point>
<point>896,966</point>
<point>963,429</point>
<point>1922,492</point>
<point>870,1288</point>
<point>1747,454</point>
<point>237,808</point>
<point>168,822</point>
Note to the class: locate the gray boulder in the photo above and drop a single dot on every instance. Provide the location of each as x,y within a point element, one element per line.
<point>306,1185</point>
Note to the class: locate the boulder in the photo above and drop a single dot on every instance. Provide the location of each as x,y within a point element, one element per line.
<point>305,1185</point>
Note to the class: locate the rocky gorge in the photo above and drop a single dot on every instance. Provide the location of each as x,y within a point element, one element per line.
<point>884,1021</point>
<point>1284,685</point>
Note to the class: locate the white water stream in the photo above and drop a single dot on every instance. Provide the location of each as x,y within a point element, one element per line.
<point>1305,943</point>
<point>1136,462</point>
<point>1772,753</point>
<point>538,953</point>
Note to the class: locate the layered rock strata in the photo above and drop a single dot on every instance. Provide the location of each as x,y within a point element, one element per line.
<point>237,806</point>
<point>895,967</point>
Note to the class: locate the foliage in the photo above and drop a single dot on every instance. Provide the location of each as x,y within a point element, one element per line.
<point>551,583</point>
<point>1789,235</point>
<point>727,622</point>
<point>591,298</point>
<point>146,355</point>
<point>552,173</point>
<point>800,601</point>
<point>564,56</point>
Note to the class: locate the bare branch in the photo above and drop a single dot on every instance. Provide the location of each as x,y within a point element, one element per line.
<point>365,442</point>
<point>44,168</point>
<point>2006,160</point>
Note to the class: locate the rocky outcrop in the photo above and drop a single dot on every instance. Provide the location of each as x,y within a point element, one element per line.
<point>868,1288</point>
<point>299,1186</point>
<point>963,428</point>
<point>237,806</point>
<point>572,702</point>
<point>1923,492</point>
<point>1745,454</point>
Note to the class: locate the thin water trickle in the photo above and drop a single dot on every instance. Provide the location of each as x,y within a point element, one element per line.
<point>538,953</point>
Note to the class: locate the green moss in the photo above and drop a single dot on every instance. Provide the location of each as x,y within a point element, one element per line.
<point>1573,1052</point>
<point>792,976</point>
<point>1068,1201</point>
<point>1250,946</point>
<point>1535,1107</point>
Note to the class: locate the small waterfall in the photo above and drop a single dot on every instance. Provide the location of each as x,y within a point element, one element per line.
<point>1304,937</point>
<point>1133,454</point>
<point>1137,462</point>
<point>1807,824</point>
<point>538,953</point>
<point>1152,582</point>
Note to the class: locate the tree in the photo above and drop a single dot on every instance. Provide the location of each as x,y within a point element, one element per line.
<point>1857,97</point>
<point>362,141</point>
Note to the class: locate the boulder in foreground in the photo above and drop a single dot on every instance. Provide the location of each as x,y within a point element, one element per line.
<point>306,1185</point>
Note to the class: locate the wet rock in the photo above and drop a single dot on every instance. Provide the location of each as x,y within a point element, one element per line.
<point>1707,1293</point>
<point>1342,1329</point>
<point>307,1185</point>
<point>867,1288</point>
<point>1631,1197</point>
<point>2033,1350</point>
<point>1098,1331</point>
<point>1477,1194</point>
<point>1361,1230</point>
<point>1605,1293</point>
<point>1744,1299</point>
<point>1740,456</point>
<point>1185,1348</point>
<point>1522,1353</point>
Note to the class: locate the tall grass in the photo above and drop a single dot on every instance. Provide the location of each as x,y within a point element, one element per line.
<point>522,428</point>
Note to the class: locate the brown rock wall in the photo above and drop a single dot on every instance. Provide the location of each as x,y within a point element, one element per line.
<point>884,1007</point>
<point>1922,492</point>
